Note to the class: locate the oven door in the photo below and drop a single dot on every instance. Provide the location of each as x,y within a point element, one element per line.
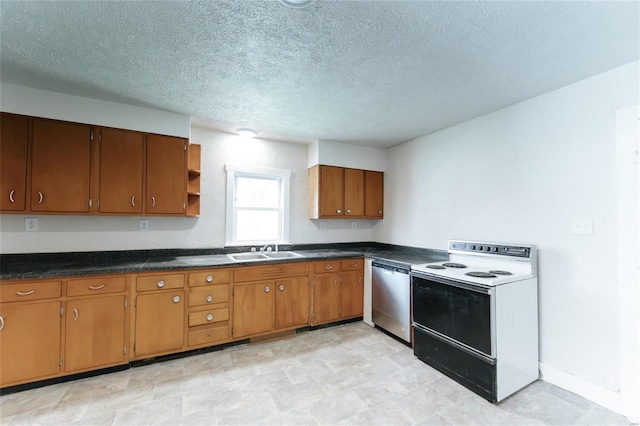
<point>458,311</point>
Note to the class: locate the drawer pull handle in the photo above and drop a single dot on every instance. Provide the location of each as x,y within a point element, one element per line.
<point>153,201</point>
<point>328,267</point>
<point>209,279</point>
<point>27,293</point>
<point>354,265</point>
<point>281,288</point>
<point>335,283</point>
<point>209,299</point>
<point>176,299</point>
<point>13,191</point>
<point>1,323</point>
<point>96,287</point>
<point>133,201</point>
<point>75,312</point>
<point>210,317</point>
<point>267,289</point>
<point>160,283</point>
<point>359,280</point>
<point>41,197</point>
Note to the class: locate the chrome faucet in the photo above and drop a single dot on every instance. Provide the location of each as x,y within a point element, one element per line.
<point>268,249</point>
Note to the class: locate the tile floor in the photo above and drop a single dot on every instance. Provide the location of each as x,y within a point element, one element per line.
<point>349,374</point>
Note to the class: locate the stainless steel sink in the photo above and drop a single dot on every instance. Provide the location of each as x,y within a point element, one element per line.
<point>282,254</point>
<point>242,257</point>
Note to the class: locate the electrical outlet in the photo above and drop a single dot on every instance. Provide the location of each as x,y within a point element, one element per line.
<point>323,225</point>
<point>144,225</point>
<point>30,224</point>
<point>354,225</point>
<point>582,226</point>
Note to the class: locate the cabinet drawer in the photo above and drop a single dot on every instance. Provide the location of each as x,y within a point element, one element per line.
<point>271,272</point>
<point>209,295</point>
<point>209,316</point>
<point>218,276</point>
<point>209,335</point>
<point>30,291</point>
<point>159,282</point>
<point>96,286</point>
<point>327,266</point>
<point>351,264</point>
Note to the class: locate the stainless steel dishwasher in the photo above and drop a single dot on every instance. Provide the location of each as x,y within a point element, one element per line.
<point>391,299</point>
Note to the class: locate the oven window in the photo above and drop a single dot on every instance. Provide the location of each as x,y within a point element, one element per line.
<point>460,314</point>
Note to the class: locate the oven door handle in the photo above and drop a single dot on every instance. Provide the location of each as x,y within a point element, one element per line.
<point>484,357</point>
<point>465,286</point>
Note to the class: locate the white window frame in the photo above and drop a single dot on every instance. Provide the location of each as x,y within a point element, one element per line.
<point>284,176</point>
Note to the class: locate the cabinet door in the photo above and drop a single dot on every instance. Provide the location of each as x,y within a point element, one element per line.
<point>29,341</point>
<point>354,192</point>
<point>95,330</point>
<point>374,194</point>
<point>13,162</point>
<point>121,171</point>
<point>159,322</point>
<point>326,298</point>
<point>331,191</point>
<point>292,303</point>
<point>166,175</point>
<point>352,297</point>
<point>60,167</point>
<point>252,309</point>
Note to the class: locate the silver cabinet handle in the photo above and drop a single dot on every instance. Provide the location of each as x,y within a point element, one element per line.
<point>13,191</point>
<point>281,288</point>
<point>75,312</point>
<point>348,211</point>
<point>133,201</point>
<point>339,211</point>
<point>335,283</point>
<point>359,280</point>
<point>160,283</point>
<point>27,293</point>
<point>176,299</point>
<point>328,267</point>
<point>209,278</point>
<point>41,197</point>
<point>153,201</point>
<point>209,299</point>
<point>96,287</point>
<point>210,317</point>
<point>1,323</point>
<point>267,289</point>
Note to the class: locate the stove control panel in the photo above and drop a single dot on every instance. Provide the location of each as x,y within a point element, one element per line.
<point>490,248</point>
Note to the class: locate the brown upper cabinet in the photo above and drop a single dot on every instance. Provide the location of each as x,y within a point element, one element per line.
<point>55,167</point>
<point>342,193</point>
<point>60,167</point>
<point>121,171</point>
<point>14,131</point>
<point>166,175</point>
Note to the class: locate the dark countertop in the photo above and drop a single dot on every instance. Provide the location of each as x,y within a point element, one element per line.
<point>53,265</point>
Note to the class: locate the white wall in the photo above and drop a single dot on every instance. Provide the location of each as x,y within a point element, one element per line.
<point>45,104</point>
<point>521,175</point>
<point>346,155</point>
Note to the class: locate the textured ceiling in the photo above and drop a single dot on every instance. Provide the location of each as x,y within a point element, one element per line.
<point>362,72</point>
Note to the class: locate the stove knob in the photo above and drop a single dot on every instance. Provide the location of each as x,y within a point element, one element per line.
<point>480,248</point>
<point>495,249</point>
<point>487,248</point>
<point>473,247</point>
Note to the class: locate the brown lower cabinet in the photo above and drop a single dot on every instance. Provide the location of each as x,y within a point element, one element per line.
<point>338,290</point>
<point>54,328</point>
<point>160,312</point>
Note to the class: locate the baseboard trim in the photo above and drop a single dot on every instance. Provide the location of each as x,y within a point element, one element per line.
<point>605,397</point>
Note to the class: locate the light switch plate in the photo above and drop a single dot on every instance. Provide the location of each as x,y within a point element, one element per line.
<point>144,225</point>
<point>582,226</point>
<point>30,224</point>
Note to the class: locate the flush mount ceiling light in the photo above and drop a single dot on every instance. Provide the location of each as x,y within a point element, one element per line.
<point>247,133</point>
<point>297,4</point>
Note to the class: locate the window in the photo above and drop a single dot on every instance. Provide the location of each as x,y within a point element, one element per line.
<point>257,205</point>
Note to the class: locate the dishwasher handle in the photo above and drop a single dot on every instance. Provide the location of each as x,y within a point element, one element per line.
<point>390,268</point>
